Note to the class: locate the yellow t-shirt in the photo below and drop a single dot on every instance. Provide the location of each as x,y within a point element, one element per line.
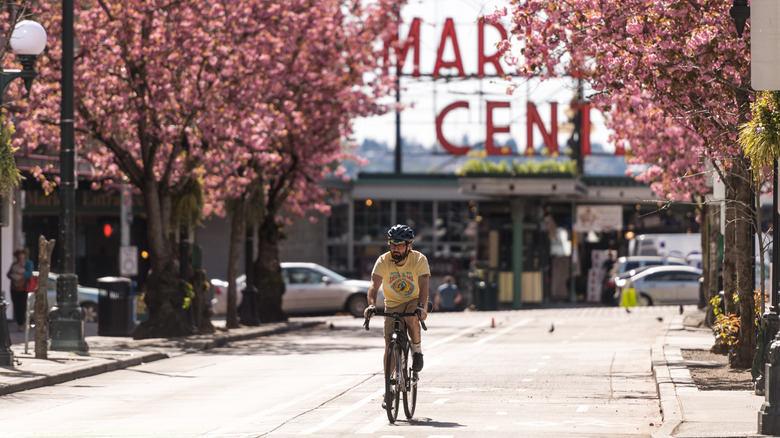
<point>400,283</point>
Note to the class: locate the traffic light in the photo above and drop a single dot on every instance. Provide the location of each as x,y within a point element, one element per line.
<point>108,230</point>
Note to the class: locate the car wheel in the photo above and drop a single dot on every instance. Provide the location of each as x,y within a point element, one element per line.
<point>90,312</point>
<point>357,304</point>
<point>644,300</point>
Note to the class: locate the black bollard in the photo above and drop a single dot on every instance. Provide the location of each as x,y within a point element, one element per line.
<point>247,311</point>
<point>6,355</point>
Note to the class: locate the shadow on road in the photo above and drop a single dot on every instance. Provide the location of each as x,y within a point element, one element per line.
<point>431,423</point>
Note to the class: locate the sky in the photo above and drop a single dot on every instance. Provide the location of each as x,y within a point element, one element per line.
<point>425,97</point>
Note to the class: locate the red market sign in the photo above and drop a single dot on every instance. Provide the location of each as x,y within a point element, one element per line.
<point>454,63</point>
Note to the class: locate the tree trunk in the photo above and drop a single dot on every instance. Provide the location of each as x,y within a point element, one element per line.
<point>164,294</point>
<point>711,283</point>
<point>237,230</point>
<point>744,351</point>
<point>200,307</point>
<point>40,313</point>
<point>268,274</point>
<point>730,249</point>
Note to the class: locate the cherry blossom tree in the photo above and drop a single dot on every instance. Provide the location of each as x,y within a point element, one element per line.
<point>144,73</point>
<point>318,68</point>
<point>252,101</point>
<point>674,79</point>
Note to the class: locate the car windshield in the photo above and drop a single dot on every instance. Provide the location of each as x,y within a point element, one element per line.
<point>334,276</point>
<point>632,272</point>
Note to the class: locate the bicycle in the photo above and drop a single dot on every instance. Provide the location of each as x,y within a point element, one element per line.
<point>399,375</point>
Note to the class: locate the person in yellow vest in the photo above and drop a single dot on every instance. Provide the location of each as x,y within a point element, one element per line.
<point>403,275</point>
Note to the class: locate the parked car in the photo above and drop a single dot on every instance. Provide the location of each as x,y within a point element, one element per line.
<point>87,297</point>
<point>625,264</point>
<point>670,284</point>
<point>625,267</point>
<point>309,288</point>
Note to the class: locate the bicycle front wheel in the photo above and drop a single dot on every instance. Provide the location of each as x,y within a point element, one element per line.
<point>410,387</point>
<point>392,380</point>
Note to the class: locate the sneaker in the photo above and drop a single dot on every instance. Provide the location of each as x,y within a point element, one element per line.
<point>417,362</point>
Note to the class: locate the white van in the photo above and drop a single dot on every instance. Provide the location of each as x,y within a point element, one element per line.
<point>665,244</point>
<point>625,264</point>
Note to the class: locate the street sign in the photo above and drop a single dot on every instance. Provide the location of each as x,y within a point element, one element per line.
<point>128,261</point>
<point>765,44</point>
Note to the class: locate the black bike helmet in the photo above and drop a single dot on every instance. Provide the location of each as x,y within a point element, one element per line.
<point>400,232</point>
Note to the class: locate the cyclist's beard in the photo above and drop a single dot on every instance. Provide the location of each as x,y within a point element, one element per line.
<point>398,257</point>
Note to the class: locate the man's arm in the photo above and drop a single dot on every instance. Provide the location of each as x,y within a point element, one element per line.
<point>423,300</point>
<point>373,292</point>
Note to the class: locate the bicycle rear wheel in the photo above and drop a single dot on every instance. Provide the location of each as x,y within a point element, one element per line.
<point>392,379</point>
<point>410,387</point>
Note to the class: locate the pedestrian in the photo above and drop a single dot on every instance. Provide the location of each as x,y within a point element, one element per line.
<point>21,271</point>
<point>607,283</point>
<point>448,296</point>
<point>403,275</point>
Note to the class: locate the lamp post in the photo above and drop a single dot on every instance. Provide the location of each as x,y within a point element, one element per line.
<point>28,41</point>
<point>769,382</point>
<point>67,318</point>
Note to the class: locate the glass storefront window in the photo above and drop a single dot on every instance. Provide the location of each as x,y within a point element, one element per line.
<point>371,220</point>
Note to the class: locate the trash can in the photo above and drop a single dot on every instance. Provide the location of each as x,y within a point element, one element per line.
<point>478,293</point>
<point>485,295</point>
<point>116,308</point>
<point>490,299</point>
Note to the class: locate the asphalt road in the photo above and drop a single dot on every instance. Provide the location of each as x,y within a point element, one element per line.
<point>548,372</point>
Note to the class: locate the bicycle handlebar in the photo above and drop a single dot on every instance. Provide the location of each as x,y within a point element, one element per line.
<point>396,315</point>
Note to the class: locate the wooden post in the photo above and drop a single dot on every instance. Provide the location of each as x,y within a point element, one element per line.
<point>40,315</point>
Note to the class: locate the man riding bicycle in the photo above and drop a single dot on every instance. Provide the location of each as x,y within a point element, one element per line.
<point>403,275</point>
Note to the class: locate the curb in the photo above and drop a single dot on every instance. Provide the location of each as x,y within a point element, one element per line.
<point>86,370</point>
<point>671,410</point>
<point>99,362</point>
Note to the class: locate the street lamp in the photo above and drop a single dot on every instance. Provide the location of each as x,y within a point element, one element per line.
<point>67,318</point>
<point>28,41</point>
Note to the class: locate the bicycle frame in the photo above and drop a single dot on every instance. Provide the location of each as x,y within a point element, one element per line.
<point>405,379</point>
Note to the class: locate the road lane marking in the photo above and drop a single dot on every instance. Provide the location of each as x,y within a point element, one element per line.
<point>338,415</point>
<point>373,426</point>
<point>502,332</point>
<point>440,401</point>
<point>457,335</point>
<point>267,412</point>
<point>582,408</point>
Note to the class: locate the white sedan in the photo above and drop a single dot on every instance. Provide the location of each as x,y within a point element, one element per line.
<point>309,288</point>
<point>664,285</point>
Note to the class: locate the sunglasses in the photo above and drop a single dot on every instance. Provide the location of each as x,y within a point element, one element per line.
<point>396,243</point>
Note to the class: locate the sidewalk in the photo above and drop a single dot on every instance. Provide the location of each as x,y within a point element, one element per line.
<point>108,353</point>
<point>688,412</point>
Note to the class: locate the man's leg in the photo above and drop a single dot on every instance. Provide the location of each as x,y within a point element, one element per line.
<point>413,327</point>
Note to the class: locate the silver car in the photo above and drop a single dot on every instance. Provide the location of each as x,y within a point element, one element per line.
<point>664,285</point>
<point>87,298</point>
<point>309,288</point>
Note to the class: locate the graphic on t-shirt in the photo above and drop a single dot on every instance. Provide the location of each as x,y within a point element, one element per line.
<point>402,286</point>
